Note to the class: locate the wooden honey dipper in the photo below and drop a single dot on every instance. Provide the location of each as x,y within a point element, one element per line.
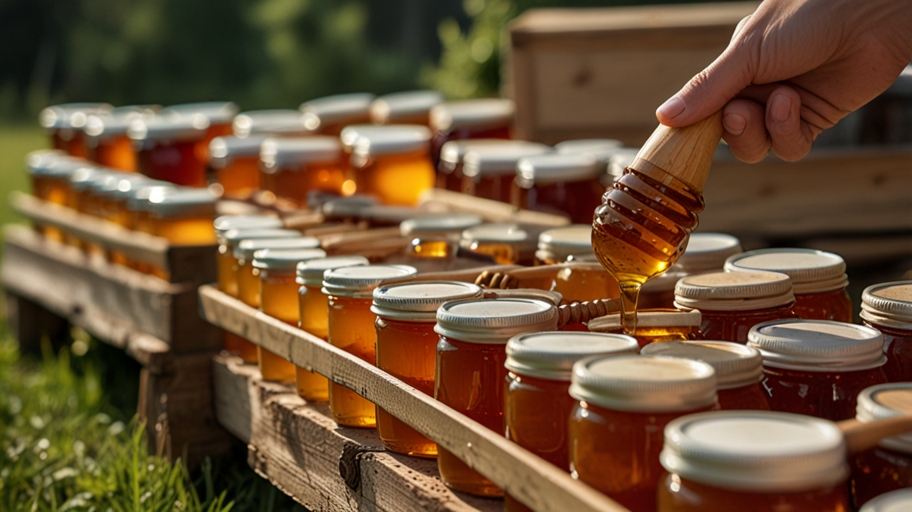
<point>685,153</point>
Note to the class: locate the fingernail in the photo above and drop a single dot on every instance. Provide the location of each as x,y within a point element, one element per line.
<point>672,108</point>
<point>734,123</point>
<point>780,107</point>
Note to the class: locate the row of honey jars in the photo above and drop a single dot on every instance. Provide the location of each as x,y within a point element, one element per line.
<point>65,123</point>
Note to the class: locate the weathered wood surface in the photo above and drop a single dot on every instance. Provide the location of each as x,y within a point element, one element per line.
<point>517,471</point>
<point>139,313</point>
<point>195,264</point>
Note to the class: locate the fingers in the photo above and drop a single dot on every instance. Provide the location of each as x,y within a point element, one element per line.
<point>790,137</point>
<point>745,130</point>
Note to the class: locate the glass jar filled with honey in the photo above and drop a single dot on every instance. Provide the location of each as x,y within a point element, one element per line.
<point>168,147</point>
<point>235,162</point>
<point>569,185</point>
<point>537,403</point>
<point>330,114</point>
<point>50,172</point>
<point>655,325</point>
<point>408,107</point>
<point>507,244</point>
<point>279,299</point>
<point>470,374</point>
<point>739,369</point>
<point>392,163</point>
<point>65,123</point>
<point>582,279</point>
<point>276,122</point>
<point>83,182</point>
<point>624,403</point>
<point>818,279</point>
<point>293,167</point>
<point>887,307</point>
<point>733,302</point>
<point>106,139</point>
<point>351,328</point>
<point>753,460</point>
<point>818,367</point>
<point>482,118</point>
<point>436,236</point>
<point>888,466</point>
<point>313,317</point>
<point>488,170</point>
<point>407,349</point>
<point>450,161</point>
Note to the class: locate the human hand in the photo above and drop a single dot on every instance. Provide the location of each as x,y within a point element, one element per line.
<point>793,69</point>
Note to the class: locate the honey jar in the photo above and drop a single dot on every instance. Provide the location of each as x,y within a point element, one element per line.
<point>407,349</point>
<point>753,460</point>
<point>313,317</point>
<point>392,163</point>
<point>563,244</point>
<point>450,161</point>
<point>409,107</point>
<point>277,122</point>
<point>470,374</point>
<point>584,280</point>
<point>64,124</point>
<point>733,302</point>
<point>888,466</point>
<point>293,167</point>
<point>169,147</point>
<point>83,200</point>
<point>351,328</point>
<point>818,367</point>
<point>818,279</point>
<point>226,223</point>
<point>887,307</point>
<point>488,171</point>
<point>218,114</point>
<point>507,244</point>
<point>537,403</point>
<point>655,325</point>
<point>739,369</point>
<point>484,118</point>
<point>569,185</point>
<point>435,236</point>
<point>330,114</point>
<point>896,501</point>
<point>624,403</point>
<point>236,164</point>
<point>707,252</point>
<point>279,299</point>
<point>50,172</point>
<point>106,139</point>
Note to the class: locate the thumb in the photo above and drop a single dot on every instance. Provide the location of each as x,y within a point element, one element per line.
<point>711,89</point>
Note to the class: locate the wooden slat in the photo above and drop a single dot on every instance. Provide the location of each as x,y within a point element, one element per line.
<point>439,200</point>
<point>516,470</point>
<point>184,263</point>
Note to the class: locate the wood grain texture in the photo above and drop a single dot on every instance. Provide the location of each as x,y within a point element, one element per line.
<point>437,200</point>
<point>517,471</point>
<point>685,153</point>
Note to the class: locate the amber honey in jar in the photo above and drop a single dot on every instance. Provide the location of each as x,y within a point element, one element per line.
<point>106,139</point>
<point>818,367</point>
<point>293,167</point>
<point>488,170</point>
<point>753,460</point>
<point>330,114</point>
<point>507,244</point>
<point>351,328</point>
<point>733,302</point>
<point>482,118</point>
<point>279,299</point>
<point>408,107</point>
<point>450,161</point>
<point>235,162</point>
<point>888,466</point>
<point>818,279</point>
<point>65,123</point>
<point>168,147</point>
<point>50,172</point>
<point>569,185</point>
<point>887,307</point>
<point>655,325</point>
<point>705,252</point>
<point>739,369</point>
<point>436,236</point>
<point>586,280</point>
<point>181,216</point>
<point>407,349</point>
<point>470,374</point>
<point>83,182</point>
<point>537,403</point>
<point>392,163</point>
<point>313,317</point>
<point>624,403</point>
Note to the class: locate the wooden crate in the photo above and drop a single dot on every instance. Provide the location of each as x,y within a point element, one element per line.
<point>580,73</point>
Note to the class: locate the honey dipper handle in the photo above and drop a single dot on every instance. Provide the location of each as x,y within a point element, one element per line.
<point>863,436</point>
<point>685,153</point>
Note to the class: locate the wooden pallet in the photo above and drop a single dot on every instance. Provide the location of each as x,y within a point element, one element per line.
<point>282,429</point>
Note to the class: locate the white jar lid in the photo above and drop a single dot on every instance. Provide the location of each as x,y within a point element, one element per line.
<point>644,383</point>
<point>736,365</point>
<point>567,243</point>
<point>223,150</point>
<point>284,259</point>
<point>734,291</point>
<point>453,151</point>
<point>621,160</point>
<point>887,401</point>
<point>52,162</point>
<point>245,248</point>
<point>817,345</point>
<point>174,202</point>
<point>217,112</point>
<point>419,301</point>
<point>649,318</point>
<point>707,252</point>
<point>551,355</point>
<point>494,321</point>
<point>232,237</point>
<point>347,207</point>
<point>269,122</point>
<point>392,139</point>
<point>104,125</point>
<point>310,273</point>
<point>439,223</point>
<point>336,109</point>
<point>756,451</point>
<point>169,127</point>
<point>70,115</point>
<point>499,159</point>
<point>497,232</point>
<point>599,148</point>
<point>225,223</point>
<point>281,152</point>
<point>888,304</point>
<point>390,108</point>
<point>359,282</point>
<point>120,185</point>
<point>899,500</point>
<point>558,168</point>
<point>474,113</point>
<point>811,271</point>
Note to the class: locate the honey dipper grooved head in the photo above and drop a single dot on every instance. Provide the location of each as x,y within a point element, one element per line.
<point>685,153</point>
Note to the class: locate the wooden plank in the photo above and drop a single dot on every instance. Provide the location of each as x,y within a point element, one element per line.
<point>517,471</point>
<point>437,200</point>
<point>231,380</point>
<point>118,305</point>
<point>184,263</point>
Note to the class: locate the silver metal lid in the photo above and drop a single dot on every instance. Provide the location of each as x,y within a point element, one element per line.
<point>558,168</point>
<point>53,163</point>
<point>120,186</point>
<point>887,401</point>
<point>736,365</point>
<point>232,237</point>
<point>70,115</point>
<point>602,149</point>
<point>84,177</point>
<point>494,321</point>
<point>169,127</point>
<point>811,271</point>
<point>499,159</point>
<point>226,223</point>
<point>888,304</point>
<point>568,243</point>
<point>310,273</point>
<point>246,248</point>
<point>347,207</point>
<point>269,122</point>
<point>894,501</point>
<point>817,345</point>
<point>217,112</point>
<point>474,113</point>
<point>439,224</point>
<point>734,291</point>
<point>419,301</point>
<point>352,133</point>
<point>453,151</point>
<point>359,282</point>
<point>175,202</point>
<point>115,122</point>
<point>285,260</point>
<point>391,108</point>
<point>223,150</point>
<point>551,355</point>
<point>707,252</point>
<point>337,109</point>
<point>283,152</point>
<point>385,140</point>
